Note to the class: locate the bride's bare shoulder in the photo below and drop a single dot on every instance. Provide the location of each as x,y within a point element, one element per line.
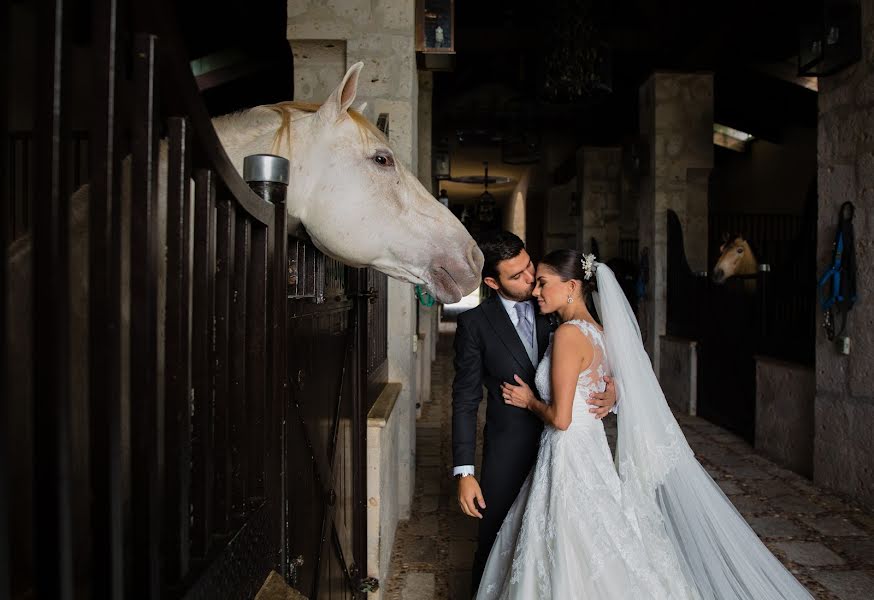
<point>570,336</point>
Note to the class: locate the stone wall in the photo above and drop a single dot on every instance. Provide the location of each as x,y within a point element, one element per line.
<point>678,374</point>
<point>784,413</point>
<point>844,407</point>
<point>425,123</point>
<point>598,191</point>
<point>676,122</point>
<point>327,37</point>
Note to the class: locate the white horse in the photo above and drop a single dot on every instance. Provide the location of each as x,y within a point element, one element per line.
<point>357,202</point>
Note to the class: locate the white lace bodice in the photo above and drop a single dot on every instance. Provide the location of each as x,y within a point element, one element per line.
<point>589,380</point>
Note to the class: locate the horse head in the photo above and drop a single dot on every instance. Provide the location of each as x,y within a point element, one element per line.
<point>356,200</point>
<point>735,258</point>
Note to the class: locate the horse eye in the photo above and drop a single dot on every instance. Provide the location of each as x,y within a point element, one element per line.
<point>740,250</point>
<point>384,160</point>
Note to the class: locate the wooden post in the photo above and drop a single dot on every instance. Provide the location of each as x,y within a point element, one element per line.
<point>267,175</point>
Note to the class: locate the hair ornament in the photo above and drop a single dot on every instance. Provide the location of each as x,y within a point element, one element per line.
<point>589,266</point>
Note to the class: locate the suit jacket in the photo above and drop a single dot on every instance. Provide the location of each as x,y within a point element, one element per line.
<point>488,352</point>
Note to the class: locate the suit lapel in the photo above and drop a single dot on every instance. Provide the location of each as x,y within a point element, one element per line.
<point>543,329</point>
<point>503,326</point>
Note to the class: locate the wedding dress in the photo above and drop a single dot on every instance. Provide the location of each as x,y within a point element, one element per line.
<point>654,525</point>
<point>568,535</point>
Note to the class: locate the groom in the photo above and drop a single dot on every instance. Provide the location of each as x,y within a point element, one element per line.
<point>501,338</point>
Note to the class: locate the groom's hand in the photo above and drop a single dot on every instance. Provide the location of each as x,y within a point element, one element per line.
<point>603,402</point>
<point>470,496</point>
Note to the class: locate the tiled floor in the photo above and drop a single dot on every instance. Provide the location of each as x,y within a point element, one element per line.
<point>827,542</point>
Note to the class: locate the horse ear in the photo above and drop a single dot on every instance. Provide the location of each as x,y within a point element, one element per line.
<point>725,237</point>
<point>342,98</point>
<point>361,108</point>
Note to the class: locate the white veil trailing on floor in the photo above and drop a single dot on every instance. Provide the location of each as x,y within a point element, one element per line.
<point>670,491</point>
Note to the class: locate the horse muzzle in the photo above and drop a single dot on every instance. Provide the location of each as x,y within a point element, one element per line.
<point>452,276</point>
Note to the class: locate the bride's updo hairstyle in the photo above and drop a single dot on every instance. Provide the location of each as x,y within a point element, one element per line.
<point>568,264</point>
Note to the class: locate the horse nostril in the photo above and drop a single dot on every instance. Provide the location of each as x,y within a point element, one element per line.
<point>475,257</point>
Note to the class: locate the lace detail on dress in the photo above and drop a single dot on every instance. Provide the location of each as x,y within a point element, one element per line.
<point>591,379</point>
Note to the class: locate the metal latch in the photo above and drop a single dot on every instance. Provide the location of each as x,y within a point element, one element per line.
<point>368,584</point>
<point>372,294</point>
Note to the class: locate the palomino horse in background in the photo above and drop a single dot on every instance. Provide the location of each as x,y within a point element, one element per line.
<point>357,203</point>
<point>735,258</point>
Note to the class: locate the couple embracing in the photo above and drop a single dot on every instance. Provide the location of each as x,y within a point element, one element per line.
<point>560,517</point>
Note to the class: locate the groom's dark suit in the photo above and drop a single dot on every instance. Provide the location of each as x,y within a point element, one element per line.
<point>488,351</point>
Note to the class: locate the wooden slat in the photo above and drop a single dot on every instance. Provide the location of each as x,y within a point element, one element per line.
<point>178,375</point>
<point>277,378</point>
<point>226,220</point>
<point>203,282</point>
<point>147,392</point>
<point>5,239</point>
<point>360,407</point>
<point>240,451</point>
<point>110,513</point>
<point>52,420</point>
<point>256,360</point>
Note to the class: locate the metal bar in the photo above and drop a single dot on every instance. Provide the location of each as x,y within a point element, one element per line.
<point>108,397</point>
<point>201,343</point>
<point>240,451</point>
<point>53,558</point>
<point>226,220</point>
<point>147,392</point>
<point>178,374</point>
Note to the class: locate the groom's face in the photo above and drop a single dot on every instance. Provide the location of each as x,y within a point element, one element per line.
<point>515,278</point>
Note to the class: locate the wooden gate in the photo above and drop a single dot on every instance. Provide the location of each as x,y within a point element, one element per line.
<point>336,332</point>
<point>184,386</point>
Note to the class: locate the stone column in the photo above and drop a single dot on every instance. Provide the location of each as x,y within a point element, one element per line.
<point>844,406</point>
<point>598,175</point>
<point>560,225</point>
<point>676,120</point>
<point>629,203</point>
<point>427,316</point>
<point>326,38</point>
<point>515,211</point>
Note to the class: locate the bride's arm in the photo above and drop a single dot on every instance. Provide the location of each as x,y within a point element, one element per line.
<point>571,354</point>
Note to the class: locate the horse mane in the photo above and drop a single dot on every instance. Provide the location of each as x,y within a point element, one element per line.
<point>244,121</point>
<point>284,110</point>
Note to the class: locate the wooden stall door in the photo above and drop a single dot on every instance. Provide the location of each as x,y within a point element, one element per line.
<point>324,437</point>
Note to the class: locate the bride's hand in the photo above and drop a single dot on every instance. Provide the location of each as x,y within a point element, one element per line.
<point>517,395</point>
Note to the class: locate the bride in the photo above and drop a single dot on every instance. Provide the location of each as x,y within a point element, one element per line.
<point>655,525</point>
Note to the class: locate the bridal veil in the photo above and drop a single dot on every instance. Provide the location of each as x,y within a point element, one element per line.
<point>717,549</point>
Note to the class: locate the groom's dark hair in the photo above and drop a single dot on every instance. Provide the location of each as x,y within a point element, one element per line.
<point>497,246</point>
